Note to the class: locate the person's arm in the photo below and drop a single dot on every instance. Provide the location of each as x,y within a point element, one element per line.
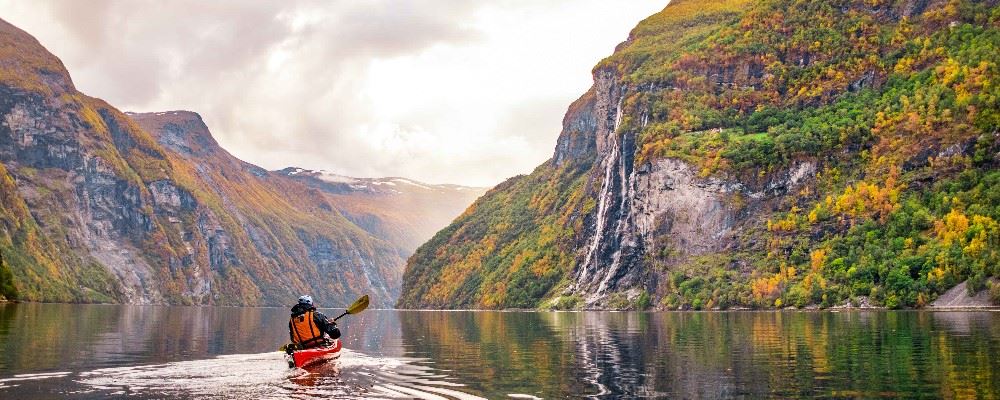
<point>322,321</point>
<point>327,325</point>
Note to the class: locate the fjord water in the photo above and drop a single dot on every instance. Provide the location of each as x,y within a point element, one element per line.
<point>99,351</point>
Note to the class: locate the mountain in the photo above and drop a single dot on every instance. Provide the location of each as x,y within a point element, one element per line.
<point>103,206</point>
<point>752,153</point>
<point>398,210</point>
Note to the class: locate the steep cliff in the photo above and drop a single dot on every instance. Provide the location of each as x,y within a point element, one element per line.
<point>100,206</point>
<point>752,153</point>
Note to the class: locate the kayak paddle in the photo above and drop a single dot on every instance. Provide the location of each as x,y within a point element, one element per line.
<point>358,306</point>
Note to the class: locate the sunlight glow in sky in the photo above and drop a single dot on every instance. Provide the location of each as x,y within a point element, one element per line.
<point>443,91</point>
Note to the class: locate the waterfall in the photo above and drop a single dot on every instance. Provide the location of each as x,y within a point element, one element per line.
<point>602,211</point>
<point>614,171</point>
<point>625,196</point>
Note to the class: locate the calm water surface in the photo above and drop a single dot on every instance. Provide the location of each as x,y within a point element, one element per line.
<point>92,351</point>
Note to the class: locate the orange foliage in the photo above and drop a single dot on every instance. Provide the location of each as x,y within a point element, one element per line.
<point>766,288</point>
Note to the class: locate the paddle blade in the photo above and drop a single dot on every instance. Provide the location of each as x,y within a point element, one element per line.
<point>359,305</point>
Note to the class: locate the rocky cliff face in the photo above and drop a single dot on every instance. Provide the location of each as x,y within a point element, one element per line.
<point>719,161</point>
<point>662,203</point>
<point>100,206</point>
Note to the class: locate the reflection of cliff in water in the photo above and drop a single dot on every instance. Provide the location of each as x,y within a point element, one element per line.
<point>499,353</point>
<point>714,355</point>
<point>67,336</point>
<point>495,354</point>
<point>710,355</point>
<point>651,355</point>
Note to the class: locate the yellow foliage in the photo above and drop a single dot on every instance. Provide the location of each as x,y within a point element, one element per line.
<point>868,200</point>
<point>935,275</point>
<point>817,259</point>
<point>952,227</point>
<point>787,224</point>
<point>988,232</point>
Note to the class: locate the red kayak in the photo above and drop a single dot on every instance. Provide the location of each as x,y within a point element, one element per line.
<point>313,356</point>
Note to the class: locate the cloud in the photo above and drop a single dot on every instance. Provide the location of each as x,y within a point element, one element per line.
<point>442,91</point>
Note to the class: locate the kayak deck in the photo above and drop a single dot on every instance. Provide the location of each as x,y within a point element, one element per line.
<point>316,355</point>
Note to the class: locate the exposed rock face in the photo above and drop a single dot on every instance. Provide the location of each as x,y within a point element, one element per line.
<point>657,205</point>
<point>254,197</point>
<point>102,210</point>
<point>100,206</point>
<point>611,251</point>
<point>699,214</point>
<point>578,140</point>
<point>958,298</point>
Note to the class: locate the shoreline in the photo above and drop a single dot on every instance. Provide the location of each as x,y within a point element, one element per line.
<point>728,310</point>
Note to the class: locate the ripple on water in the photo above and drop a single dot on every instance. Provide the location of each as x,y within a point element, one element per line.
<point>265,376</point>
<point>20,378</point>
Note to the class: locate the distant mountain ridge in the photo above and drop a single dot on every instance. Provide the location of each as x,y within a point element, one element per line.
<point>399,210</point>
<point>146,208</point>
<point>386,185</point>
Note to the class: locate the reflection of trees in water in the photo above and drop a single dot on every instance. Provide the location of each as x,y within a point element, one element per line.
<point>201,330</point>
<point>815,354</point>
<point>66,336</point>
<point>496,353</point>
<point>685,355</point>
<point>39,335</point>
<point>711,355</point>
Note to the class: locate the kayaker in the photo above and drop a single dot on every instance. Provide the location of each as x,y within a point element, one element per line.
<point>310,328</point>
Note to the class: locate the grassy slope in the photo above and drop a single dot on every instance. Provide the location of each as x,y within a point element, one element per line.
<point>879,222</point>
<point>855,86</point>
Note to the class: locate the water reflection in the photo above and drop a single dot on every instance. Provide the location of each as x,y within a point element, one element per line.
<point>714,355</point>
<point>40,337</point>
<point>187,352</point>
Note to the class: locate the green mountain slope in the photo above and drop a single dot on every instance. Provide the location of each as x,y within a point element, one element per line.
<point>752,153</point>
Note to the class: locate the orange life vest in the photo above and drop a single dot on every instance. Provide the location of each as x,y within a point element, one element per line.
<point>304,329</point>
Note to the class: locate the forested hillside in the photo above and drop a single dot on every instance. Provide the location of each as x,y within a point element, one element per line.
<point>753,153</point>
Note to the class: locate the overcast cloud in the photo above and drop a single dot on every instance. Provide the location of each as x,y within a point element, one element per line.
<point>468,92</point>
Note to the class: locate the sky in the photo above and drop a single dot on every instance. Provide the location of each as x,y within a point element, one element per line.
<point>443,91</point>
